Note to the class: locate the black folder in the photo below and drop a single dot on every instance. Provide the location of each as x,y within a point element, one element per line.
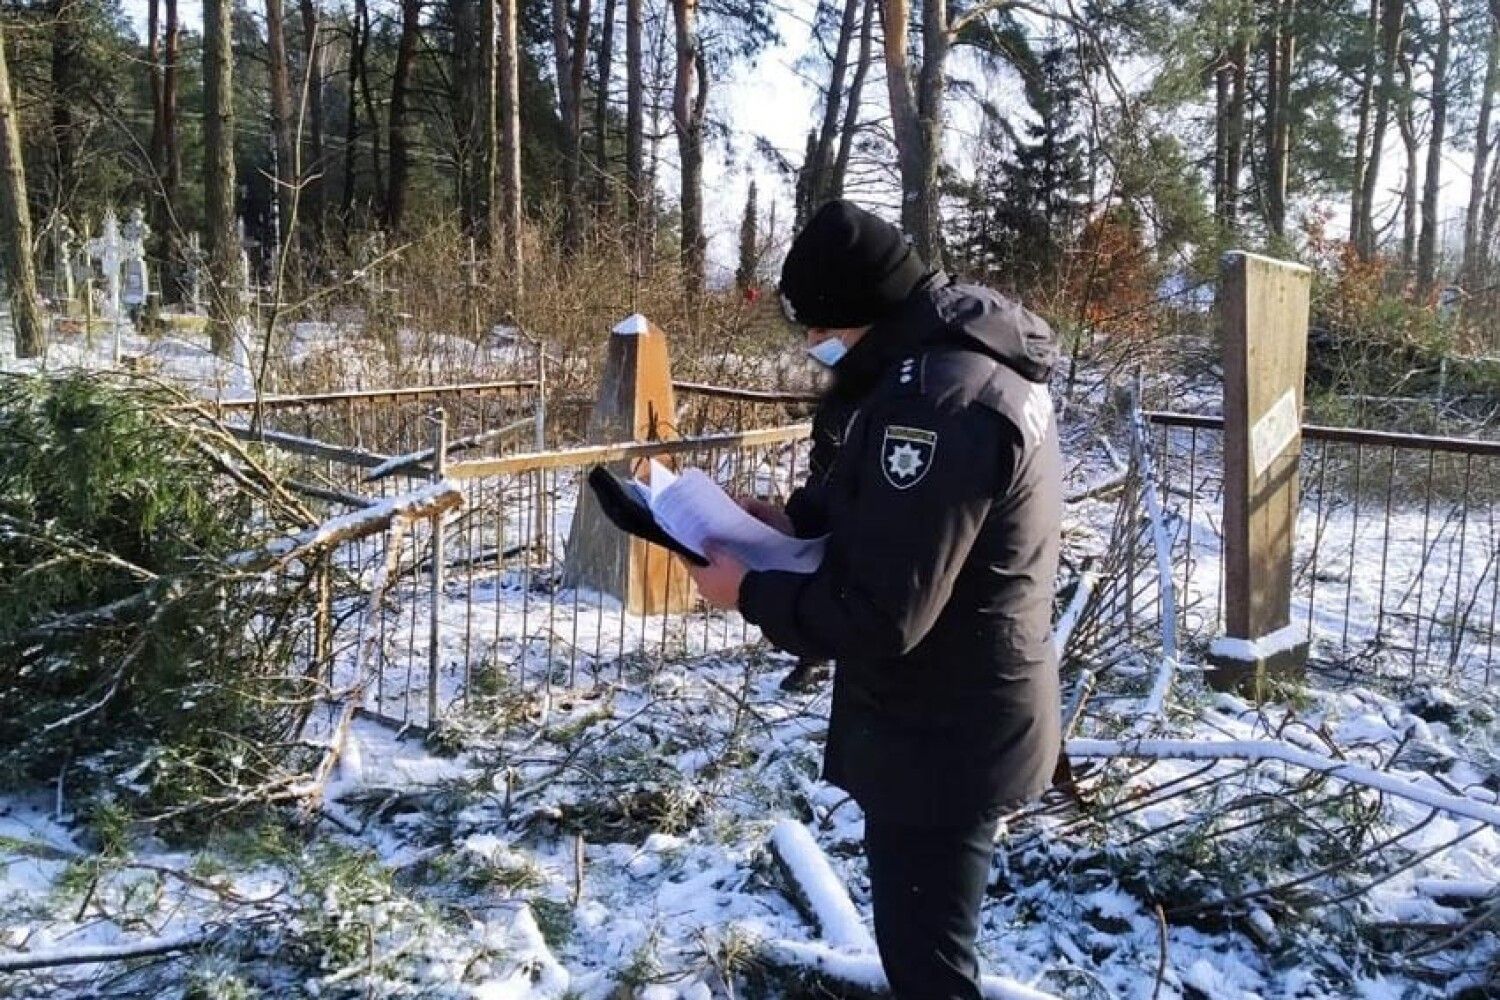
<point>626,508</point>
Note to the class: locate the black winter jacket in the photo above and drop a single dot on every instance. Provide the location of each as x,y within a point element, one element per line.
<point>943,505</point>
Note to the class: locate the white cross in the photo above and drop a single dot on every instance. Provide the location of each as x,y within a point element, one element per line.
<point>109,251</point>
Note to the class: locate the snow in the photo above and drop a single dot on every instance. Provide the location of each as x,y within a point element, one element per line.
<point>1252,650</point>
<point>634,325</point>
<point>838,920</point>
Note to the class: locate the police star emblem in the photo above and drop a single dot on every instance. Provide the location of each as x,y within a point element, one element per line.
<point>906,455</point>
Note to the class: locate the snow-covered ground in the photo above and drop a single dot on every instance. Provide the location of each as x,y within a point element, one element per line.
<point>594,819</point>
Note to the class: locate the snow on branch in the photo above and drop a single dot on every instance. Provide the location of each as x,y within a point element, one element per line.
<point>863,974</point>
<point>818,889</point>
<point>429,501</point>
<point>1277,750</point>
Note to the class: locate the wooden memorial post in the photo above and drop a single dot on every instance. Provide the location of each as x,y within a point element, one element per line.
<point>635,403</point>
<point>1264,317</point>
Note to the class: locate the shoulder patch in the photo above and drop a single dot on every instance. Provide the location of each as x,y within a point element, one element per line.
<point>906,454</point>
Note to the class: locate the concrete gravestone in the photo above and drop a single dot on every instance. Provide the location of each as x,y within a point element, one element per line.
<point>635,403</point>
<point>1264,317</point>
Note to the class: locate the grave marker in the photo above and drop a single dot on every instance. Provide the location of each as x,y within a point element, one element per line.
<point>635,403</point>
<point>1264,318</point>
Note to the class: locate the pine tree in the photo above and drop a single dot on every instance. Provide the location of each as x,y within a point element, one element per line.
<point>1043,185</point>
<point>745,276</point>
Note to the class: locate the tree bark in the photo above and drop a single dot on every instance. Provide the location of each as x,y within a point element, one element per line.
<point>1408,124</point>
<point>821,166</point>
<point>851,111</point>
<point>917,118</point>
<point>218,172</point>
<point>1280,59</point>
<point>401,141</point>
<point>467,83</point>
<point>1362,133</point>
<point>1393,14</point>
<point>312,54</point>
<point>67,59</point>
<point>287,173</point>
<point>601,111</point>
<point>167,225</point>
<point>1474,252</point>
<point>570,51</point>
<point>635,125</point>
<point>1234,143</point>
<point>510,149</point>
<point>689,105</point>
<point>15,227</point>
<point>1427,245</point>
<point>486,123</point>
<point>153,76</point>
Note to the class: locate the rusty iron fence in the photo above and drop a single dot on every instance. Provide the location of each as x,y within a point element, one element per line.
<point>484,604</point>
<point>1397,548</point>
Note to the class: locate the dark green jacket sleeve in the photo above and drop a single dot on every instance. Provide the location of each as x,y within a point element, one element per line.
<point>900,535</point>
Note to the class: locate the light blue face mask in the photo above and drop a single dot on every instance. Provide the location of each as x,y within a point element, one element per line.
<point>828,352</point>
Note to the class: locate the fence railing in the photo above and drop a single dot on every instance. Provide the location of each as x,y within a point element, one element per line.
<point>490,609</point>
<point>1397,546</point>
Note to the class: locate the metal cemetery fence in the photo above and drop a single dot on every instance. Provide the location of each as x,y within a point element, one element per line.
<point>1398,553</point>
<point>489,608</point>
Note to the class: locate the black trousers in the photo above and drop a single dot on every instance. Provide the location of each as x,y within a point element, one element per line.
<point>927,884</point>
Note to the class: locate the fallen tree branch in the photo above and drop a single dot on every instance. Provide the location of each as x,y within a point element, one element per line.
<point>91,954</point>
<point>1286,753</point>
<point>817,891</point>
<point>863,976</point>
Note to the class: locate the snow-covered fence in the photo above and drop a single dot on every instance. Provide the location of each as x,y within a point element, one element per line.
<point>1398,550</point>
<point>502,619</point>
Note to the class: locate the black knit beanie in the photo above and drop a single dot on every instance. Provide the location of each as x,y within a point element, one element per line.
<point>847,268</point>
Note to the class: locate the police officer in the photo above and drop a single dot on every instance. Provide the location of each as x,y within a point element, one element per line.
<point>934,599</point>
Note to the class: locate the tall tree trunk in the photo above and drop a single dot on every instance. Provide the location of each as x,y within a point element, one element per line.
<point>15,227</point>
<point>1362,133</point>
<point>282,126</point>
<point>509,65</point>
<point>153,75</point>
<point>570,51</point>
<point>1427,245</point>
<point>689,105</point>
<point>312,54</point>
<point>851,111</point>
<point>167,224</point>
<point>487,153</point>
<point>467,83</point>
<point>821,165</point>
<point>635,125</point>
<point>1234,142</point>
<point>601,110</point>
<point>218,172</point>
<point>1280,59</point>
<point>1474,256</point>
<point>1408,123</point>
<point>401,139</point>
<point>917,118</point>
<point>67,97</point>
<point>1392,17</point>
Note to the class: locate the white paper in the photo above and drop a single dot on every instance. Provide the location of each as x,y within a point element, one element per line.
<point>696,512</point>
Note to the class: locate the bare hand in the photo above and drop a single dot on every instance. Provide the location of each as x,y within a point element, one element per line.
<point>719,581</point>
<point>769,513</point>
